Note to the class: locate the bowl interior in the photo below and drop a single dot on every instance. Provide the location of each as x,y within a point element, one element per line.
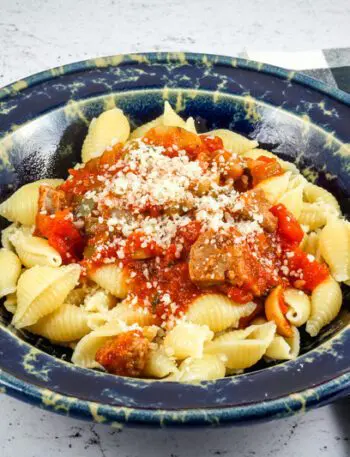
<point>51,143</point>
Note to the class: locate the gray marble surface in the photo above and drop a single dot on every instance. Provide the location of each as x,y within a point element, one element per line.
<point>39,34</point>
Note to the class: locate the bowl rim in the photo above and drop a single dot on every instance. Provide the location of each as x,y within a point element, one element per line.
<point>181,57</point>
<point>114,415</point>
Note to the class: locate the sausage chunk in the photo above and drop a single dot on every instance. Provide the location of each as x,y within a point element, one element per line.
<point>125,354</point>
<point>254,202</point>
<point>216,258</point>
<point>51,200</point>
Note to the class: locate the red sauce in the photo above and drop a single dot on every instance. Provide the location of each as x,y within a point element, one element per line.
<point>83,179</point>
<point>172,279</point>
<point>239,295</point>
<point>167,272</point>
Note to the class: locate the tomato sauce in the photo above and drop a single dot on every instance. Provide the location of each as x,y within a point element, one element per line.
<point>155,272</point>
<point>162,278</point>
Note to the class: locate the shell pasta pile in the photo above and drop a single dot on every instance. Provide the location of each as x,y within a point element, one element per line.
<point>173,255</point>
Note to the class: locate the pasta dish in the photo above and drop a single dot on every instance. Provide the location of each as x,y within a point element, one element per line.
<point>173,255</point>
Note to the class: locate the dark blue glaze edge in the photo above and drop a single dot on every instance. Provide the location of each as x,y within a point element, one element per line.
<point>191,57</point>
<point>281,407</point>
<point>112,415</point>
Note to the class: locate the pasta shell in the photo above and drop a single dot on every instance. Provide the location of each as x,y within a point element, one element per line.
<point>293,200</point>
<point>282,348</point>
<point>317,194</point>
<point>99,301</point>
<point>33,250</point>
<point>312,215</point>
<point>41,290</point>
<point>111,278</point>
<point>326,301</point>
<point>67,323</point>
<point>85,351</point>
<point>132,314</point>
<point>187,340</point>
<point>242,348</point>
<point>334,245</point>
<point>10,268</point>
<point>274,312</point>
<point>194,369</point>
<point>106,130</point>
<point>171,118</point>
<point>6,234</point>
<point>11,303</point>
<point>144,128</point>
<point>159,365</point>
<point>274,187</point>
<point>217,311</point>
<point>190,125</point>
<point>310,245</point>
<point>76,296</point>
<point>234,142</point>
<point>22,206</point>
<point>299,306</point>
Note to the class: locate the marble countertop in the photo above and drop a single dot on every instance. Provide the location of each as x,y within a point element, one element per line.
<point>39,34</point>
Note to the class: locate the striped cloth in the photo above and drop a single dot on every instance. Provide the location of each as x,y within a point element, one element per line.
<point>331,66</point>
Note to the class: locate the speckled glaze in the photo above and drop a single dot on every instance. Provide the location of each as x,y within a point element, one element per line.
<point>43,120</point>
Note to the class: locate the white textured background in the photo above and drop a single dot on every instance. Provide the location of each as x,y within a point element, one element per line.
<point>39,34</point>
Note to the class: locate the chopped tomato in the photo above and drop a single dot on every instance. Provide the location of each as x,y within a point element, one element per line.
<point>175,139</point>
<point>212,143</point>
<point>288,227</point>
<point>228,165</point>
<point>61,234</point>
<point>264,168</point>
<point>313,272</point>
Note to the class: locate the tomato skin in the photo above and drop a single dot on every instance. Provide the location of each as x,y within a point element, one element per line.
<point>61,234</point>
<point>212,143</point>
<point>263,168</point>
<point>175,136</point>
<point>288,227</point>
<point>313,272</point>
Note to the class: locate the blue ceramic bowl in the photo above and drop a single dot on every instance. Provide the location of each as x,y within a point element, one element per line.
<point>43,120</point>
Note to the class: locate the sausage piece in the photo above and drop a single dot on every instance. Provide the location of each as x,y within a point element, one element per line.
<point>253,202</point>
<point>216,258</point>
<point>125,354</point>
<point>51,200</point>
